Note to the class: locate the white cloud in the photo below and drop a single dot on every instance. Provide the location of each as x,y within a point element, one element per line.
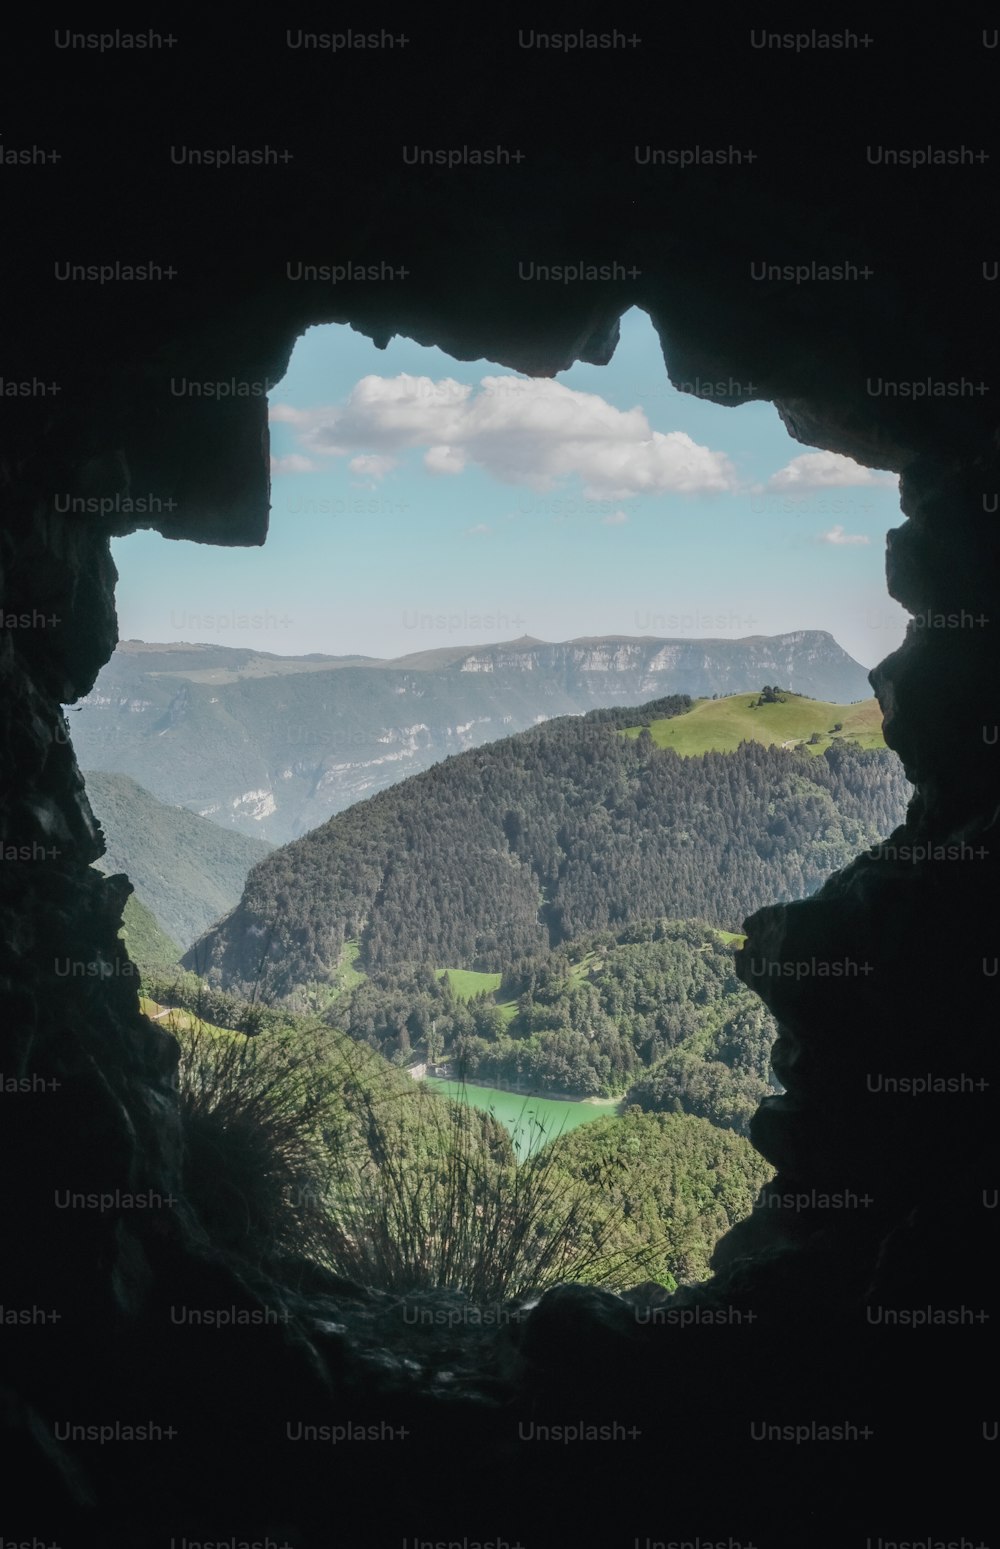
<point>480,527</point>
<point>837,535</point>
<point>443,459</point>
<point>826,470</point>
<point>615,519</point>
<point>371,467</point>
<point>292,462</point>
<point>520,430</point>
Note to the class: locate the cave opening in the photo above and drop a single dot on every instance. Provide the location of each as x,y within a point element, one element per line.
<point>879,1212</point>
<point>441,502</point>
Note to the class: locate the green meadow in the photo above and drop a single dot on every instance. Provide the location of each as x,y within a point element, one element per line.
<point>347,973</point>
<point>720,725</point>
<point>466,984</point>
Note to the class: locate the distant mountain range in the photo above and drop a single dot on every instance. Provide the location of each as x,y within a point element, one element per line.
<point>186,871</point>
<point>273,746</point>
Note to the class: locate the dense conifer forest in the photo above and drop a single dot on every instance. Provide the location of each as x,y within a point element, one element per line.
<point>509,851</point>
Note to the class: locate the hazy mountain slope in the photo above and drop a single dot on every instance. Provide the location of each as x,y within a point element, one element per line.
<point>148,944</point>
<point>274,746</point>
<point>186,870</point>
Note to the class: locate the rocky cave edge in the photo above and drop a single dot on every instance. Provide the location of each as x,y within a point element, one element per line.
<point>927,1002</point>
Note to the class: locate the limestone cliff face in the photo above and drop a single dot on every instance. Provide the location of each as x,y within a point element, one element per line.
<point>89,413</point>
<point>610,670</point>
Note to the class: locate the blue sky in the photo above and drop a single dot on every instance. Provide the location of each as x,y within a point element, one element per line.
<point>419,501</point>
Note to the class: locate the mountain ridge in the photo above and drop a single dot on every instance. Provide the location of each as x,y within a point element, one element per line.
<point>444,655</point>
<point>273,746</point>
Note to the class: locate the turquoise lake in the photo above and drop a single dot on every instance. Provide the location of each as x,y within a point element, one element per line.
<point>532,1121</point>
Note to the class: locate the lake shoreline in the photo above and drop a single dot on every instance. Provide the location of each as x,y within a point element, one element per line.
<point>531,1121</point>
<point>443,1074</point>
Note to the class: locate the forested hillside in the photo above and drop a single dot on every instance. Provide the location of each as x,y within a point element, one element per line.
<point>506,851</point>
<point>655,1011</point>
<point>672,1184</point>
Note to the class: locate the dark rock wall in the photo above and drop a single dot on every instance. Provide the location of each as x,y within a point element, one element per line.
<point>101,418</point>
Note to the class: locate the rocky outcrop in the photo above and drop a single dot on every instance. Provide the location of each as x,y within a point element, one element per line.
<point>99,409</point>
<point>614,669</point>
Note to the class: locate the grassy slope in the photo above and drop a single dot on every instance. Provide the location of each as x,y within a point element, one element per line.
<point>466,983</point>
<point>720,725</point>
<point>348,973</point>
<point>176,1020</point>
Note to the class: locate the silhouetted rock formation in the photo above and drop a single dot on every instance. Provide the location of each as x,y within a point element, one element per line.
<point>102,420</point>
